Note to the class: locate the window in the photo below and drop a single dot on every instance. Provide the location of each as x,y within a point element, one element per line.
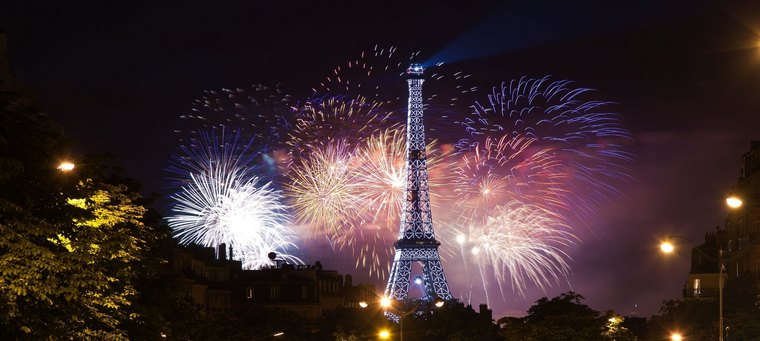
<point>697,287</point>
<point>304,292</point>
<point>249,293</point>
<point>274,292</point>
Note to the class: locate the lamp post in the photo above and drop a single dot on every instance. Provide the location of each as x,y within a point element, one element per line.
<point>387,304</point>
<point>668,247</point>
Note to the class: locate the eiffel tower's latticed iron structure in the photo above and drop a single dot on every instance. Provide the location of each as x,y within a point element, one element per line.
<point>417,241</point>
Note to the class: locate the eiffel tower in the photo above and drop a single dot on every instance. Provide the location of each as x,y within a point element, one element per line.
<point>417,241</point>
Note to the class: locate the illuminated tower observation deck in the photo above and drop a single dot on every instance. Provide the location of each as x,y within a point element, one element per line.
<point>417,241</point>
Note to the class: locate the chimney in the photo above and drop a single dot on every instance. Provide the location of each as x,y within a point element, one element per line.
<point>222,251</point>
<point>485,313</point>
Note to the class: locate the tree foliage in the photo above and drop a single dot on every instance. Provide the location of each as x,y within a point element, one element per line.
<point>694,319</point>
<point>564,318</point>
<point>69,243</point>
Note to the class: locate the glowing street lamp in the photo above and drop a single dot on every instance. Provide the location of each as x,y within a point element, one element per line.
<point>65,166</point>
<point>676,337</point>
<point>385,302</point>
<point>384,334</point>
<point>734,202</point>
<point>666,247</point>
<point>388,305</point>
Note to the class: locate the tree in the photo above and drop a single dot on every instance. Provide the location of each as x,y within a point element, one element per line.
<point>564,318</point>
<point>69,243</point>
<point>695,319</point>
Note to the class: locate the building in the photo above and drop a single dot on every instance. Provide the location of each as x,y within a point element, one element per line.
<point>738,243</point>
<point>206,277</point>
<point>703,277</point>
<point>743,223</point>
<point>216,284</point>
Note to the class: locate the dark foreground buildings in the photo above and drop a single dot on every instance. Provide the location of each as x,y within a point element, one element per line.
<point>215,283</point>
<point>738,240</point>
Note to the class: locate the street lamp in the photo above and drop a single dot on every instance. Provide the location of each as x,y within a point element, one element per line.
<point>391,308</point>
<point>676,337</point>
<point>65,166</point>
<point>667,247</point>
<point>734,201</point>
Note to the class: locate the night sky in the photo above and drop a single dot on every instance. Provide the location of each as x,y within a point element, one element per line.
<point>685,77</point>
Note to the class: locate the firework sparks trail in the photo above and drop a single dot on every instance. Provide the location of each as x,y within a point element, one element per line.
<point>336,119</point>
<point>497,170</point>
<point>520,243</point>
<point>323,191</point>
<point>374,75</point>
<point>259,111</point>
<point>553,157</point>
<point>381,167</point>
<point>224,202</point>
<point>580,135</point>
<point>379,170</point>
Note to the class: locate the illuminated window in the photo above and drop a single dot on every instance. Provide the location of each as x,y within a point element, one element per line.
<point>250,292</point>
<point>697,287</point>
<point>274,292</point>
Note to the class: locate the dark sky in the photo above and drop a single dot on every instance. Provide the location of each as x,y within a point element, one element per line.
<point>686,78</point>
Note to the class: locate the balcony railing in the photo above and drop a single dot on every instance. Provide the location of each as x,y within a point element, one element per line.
<point>700,293</point>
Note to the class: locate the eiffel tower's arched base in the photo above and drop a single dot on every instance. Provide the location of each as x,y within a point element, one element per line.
<point>432,273</point>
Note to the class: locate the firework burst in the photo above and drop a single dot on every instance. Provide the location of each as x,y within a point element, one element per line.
<point>500,169</point>
<point>582,144</point>
<point>323,190</point>
<point>221,200</point>
<point>520,244</point>
<point>375,73</point>
<point>379,169</point>
<point>336,120</point>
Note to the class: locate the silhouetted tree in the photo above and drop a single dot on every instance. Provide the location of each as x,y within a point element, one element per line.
<point>69,243</point>
<point>695,319</point>
<point>564,318</point>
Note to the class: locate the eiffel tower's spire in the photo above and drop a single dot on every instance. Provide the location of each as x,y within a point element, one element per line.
<point>417,241</point>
